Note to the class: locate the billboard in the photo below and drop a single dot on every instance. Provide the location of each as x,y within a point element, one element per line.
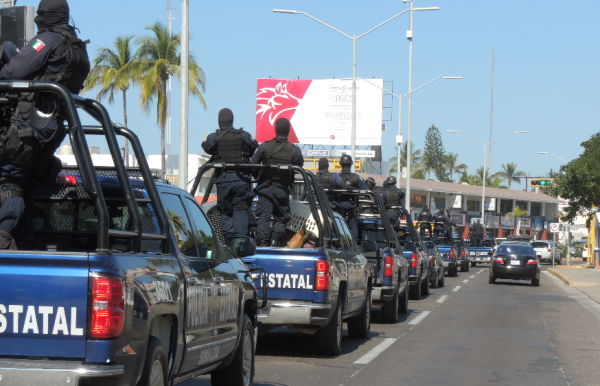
<point>320,110</point>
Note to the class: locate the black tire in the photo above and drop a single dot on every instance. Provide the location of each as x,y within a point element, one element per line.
<point>435,283</point>
<point>329,338</point>
<point>240,371</point>
<point>468,268</point>
<point>359,327</point>
<point>389,311</point>
<point>463,268</point>
<point>404,301</point>
<point>535,282</point>
<point>442,281</point>
<point>425,287</point>
<point>415,291</point>
<point>473,264</point>
<point>492,279</point>
<point>155,365</point>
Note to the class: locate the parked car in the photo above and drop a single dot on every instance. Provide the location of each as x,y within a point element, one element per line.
<point>516,262</point>
<point>316,287</point>
<point>546,250</point>
<point>125,282</point>
<point>436,265</point>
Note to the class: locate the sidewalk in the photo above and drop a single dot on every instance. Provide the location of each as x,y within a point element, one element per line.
<point>585,280</point>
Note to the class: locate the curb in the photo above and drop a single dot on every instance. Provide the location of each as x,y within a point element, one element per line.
<point>573,267</point>
<point>560,277</point>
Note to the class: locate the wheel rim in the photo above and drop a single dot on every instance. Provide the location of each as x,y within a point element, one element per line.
<point>156,374</point>
<point>247,358</point>
<point>339,327</point>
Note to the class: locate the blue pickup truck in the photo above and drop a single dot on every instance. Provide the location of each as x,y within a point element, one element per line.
<point>481,254</point>
<point>316,286</point>
<point>124,281</point>
<point>415,254</point>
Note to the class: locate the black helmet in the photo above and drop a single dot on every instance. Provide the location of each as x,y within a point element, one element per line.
<point>391,180</point>
<point>346,160</point>
<point>370,182</point>
<point>385,184</point>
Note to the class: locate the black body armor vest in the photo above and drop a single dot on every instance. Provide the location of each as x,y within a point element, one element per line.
<point>279,154</point>
<point>424,216</point>
<point>440,217</point>
<point>230,147</point>
<point>393,197</point>
<point>326,179</point>
<point>350,178</point>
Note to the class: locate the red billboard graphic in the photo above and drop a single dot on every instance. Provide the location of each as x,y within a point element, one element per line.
<point>277,99</point>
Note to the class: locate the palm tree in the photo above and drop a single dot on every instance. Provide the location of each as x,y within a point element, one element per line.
<point>509,173</point>
<point>470,179</point>
<point>450,164</point>
<point>113,72</point>
<point>414,159</point>
<point>495,182</point>
<point>158,59</point>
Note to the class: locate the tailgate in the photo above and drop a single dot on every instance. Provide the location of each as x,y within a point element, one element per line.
<point>290,272</point>
<point>43,304</point>
<point>480,252</point>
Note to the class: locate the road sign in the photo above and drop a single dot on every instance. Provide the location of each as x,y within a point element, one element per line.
<point>543,182</point>
<point>555,227</point>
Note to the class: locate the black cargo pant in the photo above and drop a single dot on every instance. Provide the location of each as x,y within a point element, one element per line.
<point>423,226</point>
<point>478,239</point>
<point>439,230</point>
<point>12,212</point>
<point>233,199</point>
<point>274,201</point>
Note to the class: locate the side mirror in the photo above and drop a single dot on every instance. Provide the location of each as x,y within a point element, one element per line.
<point>242,246</point>
<point>369,245</point>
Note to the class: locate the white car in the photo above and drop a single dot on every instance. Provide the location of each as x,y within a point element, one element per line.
<point>544,250</point>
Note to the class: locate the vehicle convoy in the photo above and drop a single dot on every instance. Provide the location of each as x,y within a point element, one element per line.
<point>319,283</point>
<point>436,265</point>
<point>481,254</point>
<point>547,251</point>
<point>383,252</point>
<point>125,282</point>
<point>418,261</point>
<point>451,252</point>
<point>516,262</point>
<point>463,258</point>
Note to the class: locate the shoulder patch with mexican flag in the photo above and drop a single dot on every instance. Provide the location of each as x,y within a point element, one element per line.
<point>38,45</point>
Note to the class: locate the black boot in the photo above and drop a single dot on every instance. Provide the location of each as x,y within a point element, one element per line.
<point>275,243</point>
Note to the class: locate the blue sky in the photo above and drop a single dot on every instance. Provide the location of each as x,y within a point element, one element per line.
<point>547,56</point>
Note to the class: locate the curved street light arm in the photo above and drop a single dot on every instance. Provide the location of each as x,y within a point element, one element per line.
<point>325,24</point>
<point>506,135</point>
<point>463,133</point>
<point>385,22</point>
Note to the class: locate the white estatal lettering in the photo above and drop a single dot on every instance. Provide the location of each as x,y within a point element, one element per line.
<point>16,310</point>
<point>60,323</point>
<point>30,321</point>
<point>74,329</point>
<point>45,311</point>
<point>3,322</point>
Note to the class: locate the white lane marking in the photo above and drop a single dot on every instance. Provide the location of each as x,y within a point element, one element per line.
<point>419,318</point>
<point>480,271</point>
<point>456,288</point>
<point>465,281</point>
<point>442,298</point>
<point>381,347</point>
<point>472,276</point>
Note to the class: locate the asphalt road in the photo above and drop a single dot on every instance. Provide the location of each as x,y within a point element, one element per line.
<point>467,333</point>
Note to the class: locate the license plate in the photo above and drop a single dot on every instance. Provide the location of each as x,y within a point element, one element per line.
<point>515,262</point>
<point>479,258</point>
<point>482,253</point>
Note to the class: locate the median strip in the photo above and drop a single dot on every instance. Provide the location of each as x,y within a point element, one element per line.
<point>456,288</point>
<point>381,347</point>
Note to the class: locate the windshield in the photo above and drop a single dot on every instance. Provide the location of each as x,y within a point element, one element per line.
<point>540,245</point>
<point>515,249</point>
<point>409,246</point>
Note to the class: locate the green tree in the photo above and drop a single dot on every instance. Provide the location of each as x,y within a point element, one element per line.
<point>414,159</point>
<point>434,155</point>
<point>579,182</point>
<point>158,59</point>
<point>510,174</point>
<point>113,71</point>
<point>517,213</point>
<point>452,166</point>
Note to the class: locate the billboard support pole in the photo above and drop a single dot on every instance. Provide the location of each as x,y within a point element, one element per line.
<point>353,135</point>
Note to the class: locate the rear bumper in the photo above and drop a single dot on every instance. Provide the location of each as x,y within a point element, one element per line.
<point>480,259</point>
<point>15,372</point>
<point>413,279</point>
<point>290,312</point>
<point>449,264</point>
<point>515,273</point>
<point>382,294</point>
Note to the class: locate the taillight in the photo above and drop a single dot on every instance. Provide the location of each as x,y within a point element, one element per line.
<point>415,259</point>
<point>549,249</point>
<point>66,180</point>
<point>388,269</point>
<point>431,261</point>
<point>532,262</point>
<point>462,253</point>
<point>452,253</point>
<point>108,307</point>
<point>498,260</point>
<point>323,281</point>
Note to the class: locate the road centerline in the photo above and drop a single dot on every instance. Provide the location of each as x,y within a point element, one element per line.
<point>442,299</point>
<point>419,318</point>
<point>375,351</point>
<point>466,281</point>
<point>472,276</point>
<point>456,288</point>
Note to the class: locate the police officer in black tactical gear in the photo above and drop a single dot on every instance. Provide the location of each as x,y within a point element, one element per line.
<point>233,146</point>
<point>392,197</point>
<point>425,220</point>
<point>370,182</point>
<point>36,129</point>
<point>274,186</point>
<point>477,232</point>
<point>353,180</point>
<point>443,225</point>
<point>327,179</point>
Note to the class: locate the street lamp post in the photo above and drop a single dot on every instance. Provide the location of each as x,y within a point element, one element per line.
<point>400,97</point>
<point>485,147</point>
<point>547,152</point>
<point>354,38</point>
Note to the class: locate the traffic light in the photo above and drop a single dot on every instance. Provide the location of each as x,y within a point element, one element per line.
<point>541,182</point>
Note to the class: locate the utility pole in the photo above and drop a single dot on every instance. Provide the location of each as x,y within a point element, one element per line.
<point>409,36</point>
<point>183,131</point>
<point>170,19</point>
<point>492,106</point>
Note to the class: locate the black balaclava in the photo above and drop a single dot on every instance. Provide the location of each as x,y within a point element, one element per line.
<point>225,118</point>
<point>51,14</point>
<point>323,164</point>
<point>282,127</point>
